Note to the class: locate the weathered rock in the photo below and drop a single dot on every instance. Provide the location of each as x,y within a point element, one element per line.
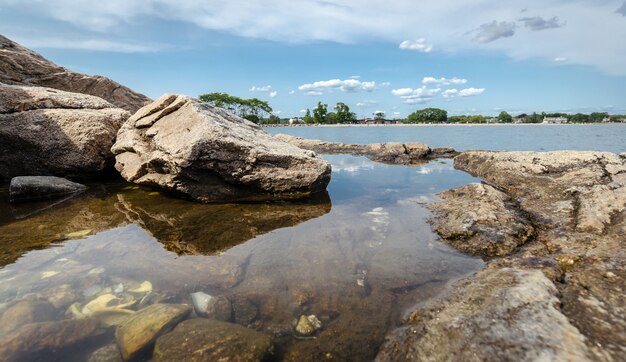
<point>45,341</point>
<point>499,315</point>
<point>565,190</point>
<point>245,311</point>
<point>203,339</point>
<point>108,353</point>
<point>144,327</point>
<point>22,66</point>
<point>25,312</point>
<point>218,308</point>
<point>210,155</point>
<point>576,204</point>
<point>50,132</point>
<point>24,188</point>
<point>480,220</point>
<point>405,153</point>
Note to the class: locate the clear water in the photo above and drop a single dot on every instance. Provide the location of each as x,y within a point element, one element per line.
<point>356,257</point>
<point>586,137</point>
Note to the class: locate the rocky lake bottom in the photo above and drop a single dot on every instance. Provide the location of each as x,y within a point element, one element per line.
<point>355,258</point>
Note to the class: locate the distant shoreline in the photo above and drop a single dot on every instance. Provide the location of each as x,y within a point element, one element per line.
<point>435,125</point>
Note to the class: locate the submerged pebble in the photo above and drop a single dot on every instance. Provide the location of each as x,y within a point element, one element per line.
<point>307,325</point>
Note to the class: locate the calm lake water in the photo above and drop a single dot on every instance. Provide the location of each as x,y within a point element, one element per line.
<point>356,257</point>
<point>586,137</point>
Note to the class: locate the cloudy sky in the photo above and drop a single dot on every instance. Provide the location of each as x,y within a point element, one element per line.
<point>396,56</point>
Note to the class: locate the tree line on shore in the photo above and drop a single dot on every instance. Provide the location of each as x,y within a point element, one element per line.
<point>260,112</point>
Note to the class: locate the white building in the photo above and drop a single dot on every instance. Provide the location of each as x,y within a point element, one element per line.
<point>554,120</point>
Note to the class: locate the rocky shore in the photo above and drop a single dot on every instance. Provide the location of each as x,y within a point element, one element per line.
<point>551,225</point>
<point>402,153</point>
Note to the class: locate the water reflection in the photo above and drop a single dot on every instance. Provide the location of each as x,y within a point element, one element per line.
<point>355,266</point>
<point>181,226</point>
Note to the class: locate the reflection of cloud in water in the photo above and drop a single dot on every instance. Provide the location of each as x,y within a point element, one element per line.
<point>420,199</point>
<point>351,165</point>
<point>433,167</point>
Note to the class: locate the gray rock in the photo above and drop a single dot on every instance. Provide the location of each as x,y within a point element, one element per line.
<point>203,339</point>
<point>211,307</point>
<point>205,153</point>
<point>22,66</point>
<point>44,131</point>
<point>480,220</point>
<point>24,188</point>
<point>141,329</point>
<point>500,315</point>
<point>404,153</point>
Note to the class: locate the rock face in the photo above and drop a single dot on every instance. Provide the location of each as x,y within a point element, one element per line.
<point>480,220</point>
<point>203,152</point>
<point>203,339</point>
<point>404,153</point>
<point>44,131</point>
<point>144,327</point>
<point>45,341</point>
<point>574,203</point>
<point>24,312</point>
<point>22,66</point>
<point>500,315</point>
<point>24,188</point>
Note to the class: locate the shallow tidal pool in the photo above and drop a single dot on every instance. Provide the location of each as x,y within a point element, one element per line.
<point>356,258</point>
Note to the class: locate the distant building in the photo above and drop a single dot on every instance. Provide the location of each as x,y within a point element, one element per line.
<point>554,120</point>
<point>369,121</point>
<point>296,121</point>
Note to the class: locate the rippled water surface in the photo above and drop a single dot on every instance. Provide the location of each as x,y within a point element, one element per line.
<point>356,257</point>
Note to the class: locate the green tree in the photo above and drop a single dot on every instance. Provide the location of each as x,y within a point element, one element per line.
<point>251,109</point>
<point>578,118</point>
<point>534,118</point>
<point>319,112</point>
<point>598,116</point>
<point>435,115</point>
<point>504,117</point>
<point>379,115</point>
<point>331,117</point>
<point>343,113</point>
<point>307,117</point>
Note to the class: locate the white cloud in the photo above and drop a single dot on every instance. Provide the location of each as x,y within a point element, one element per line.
<point>314,93</point>
<point>419,44</point>
<point>622,9</point>
<point>469,92</point>
<point>263,88</point>
<point>273,94</point>
<point>303,111</point>
<point>90,44</point>
<point>450,93</point>
<point>494,30</point>
<point>448,24</point>
<point>355,77</point>
<point>292,91</point>
<point>537,23</point>
<point>347,85</point>
<point>415,95</point>
<point>366,103</point>
<point>560,60</point>
<point>443,81</point>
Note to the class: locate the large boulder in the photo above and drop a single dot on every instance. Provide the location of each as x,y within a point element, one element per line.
<point>22,66</point>
<point>45,131</point>
<point>210,155</point>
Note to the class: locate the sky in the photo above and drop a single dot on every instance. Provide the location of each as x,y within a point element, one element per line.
<point>395,56</point>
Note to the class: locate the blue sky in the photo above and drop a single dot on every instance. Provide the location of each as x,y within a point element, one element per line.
<point>395,56</point>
